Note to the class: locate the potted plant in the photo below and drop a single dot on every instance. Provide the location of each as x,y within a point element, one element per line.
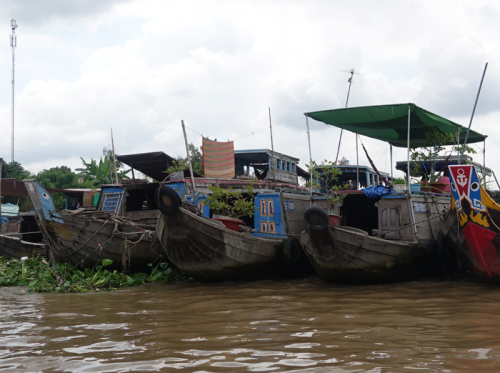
<point>325,178</point>
<point>423,159</point>
<point>399,185</point>
<point>228,205</point>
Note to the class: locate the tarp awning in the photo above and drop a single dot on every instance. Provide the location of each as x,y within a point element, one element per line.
<point>390,123</point>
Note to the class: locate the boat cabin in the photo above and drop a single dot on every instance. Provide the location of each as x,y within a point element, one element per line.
<point>133,201</point>
<point>268,165</point>
<point>392,215</point>
<point>441,163</point>
<point>22,225</point>
<point>367,177</point>
<point>86,197</point>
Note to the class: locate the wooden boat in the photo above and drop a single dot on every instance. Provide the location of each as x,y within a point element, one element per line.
<point>12,247</point>
<point>376,242</point>
<point>209,252</point>
<point>20,236</point>
<point>400,234</point>
<point>472,225</point>
<point>85,237</point>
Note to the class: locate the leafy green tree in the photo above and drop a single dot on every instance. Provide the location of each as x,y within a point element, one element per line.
<point>16,170</point>
<point>61,178</point>
<point>100,173</point>
<point>196,161</point>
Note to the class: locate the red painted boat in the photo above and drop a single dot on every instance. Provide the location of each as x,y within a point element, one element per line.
<point>472,226</point>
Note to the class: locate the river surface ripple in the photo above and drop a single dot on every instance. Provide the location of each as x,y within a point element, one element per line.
<point>269,326</point>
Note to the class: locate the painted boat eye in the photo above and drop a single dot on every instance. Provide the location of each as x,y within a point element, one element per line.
<point>453,187</point>
<point>474,186</point>
<point>45,195</point>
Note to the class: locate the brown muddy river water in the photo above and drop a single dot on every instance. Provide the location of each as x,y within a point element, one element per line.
<point>270,326</point>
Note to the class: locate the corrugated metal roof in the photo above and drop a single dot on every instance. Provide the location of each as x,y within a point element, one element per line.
<point>150,164</point>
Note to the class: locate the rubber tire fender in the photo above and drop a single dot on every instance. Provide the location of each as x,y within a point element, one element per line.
<point>316,217</point>
<point>168,201</point>
<point>292,252</point>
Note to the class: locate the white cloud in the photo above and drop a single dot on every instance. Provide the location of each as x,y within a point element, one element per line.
<point>220,65</point>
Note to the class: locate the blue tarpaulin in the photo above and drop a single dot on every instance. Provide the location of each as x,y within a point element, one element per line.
<point>4,219</point>
<point>378,191</point>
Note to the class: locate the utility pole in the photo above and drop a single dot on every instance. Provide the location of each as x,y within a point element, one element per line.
<point>13,44</point>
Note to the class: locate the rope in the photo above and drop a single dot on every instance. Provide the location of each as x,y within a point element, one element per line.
<point>253,133</point>
<point>87,240</point>
<point>409,225</point>
<point>239,138</point>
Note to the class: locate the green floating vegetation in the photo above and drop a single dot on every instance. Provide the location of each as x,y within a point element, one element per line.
<point>36,273</point>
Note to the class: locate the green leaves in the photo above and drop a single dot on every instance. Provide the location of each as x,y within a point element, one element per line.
<point>102,173</point>
<point>232,203</point>
<point>64,278</point>
<point>325,175</point>
<point>106,262</point>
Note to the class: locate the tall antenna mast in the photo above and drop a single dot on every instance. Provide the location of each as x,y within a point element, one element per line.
<point>346,102</point>
<point>13,44</point>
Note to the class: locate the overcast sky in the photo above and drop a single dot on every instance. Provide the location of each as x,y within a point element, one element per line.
<point>85,66</point>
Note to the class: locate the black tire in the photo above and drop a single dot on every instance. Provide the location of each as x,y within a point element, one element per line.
<point>168,201</point>
<point>316,217</point>
<point>292,252</point>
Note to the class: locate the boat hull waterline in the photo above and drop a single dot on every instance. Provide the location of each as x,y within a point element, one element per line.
<point>343,255</point>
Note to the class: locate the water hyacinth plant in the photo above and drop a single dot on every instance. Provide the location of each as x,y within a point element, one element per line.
<point>40,277</point>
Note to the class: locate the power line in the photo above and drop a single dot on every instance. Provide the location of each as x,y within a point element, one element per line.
<point>50,155</point>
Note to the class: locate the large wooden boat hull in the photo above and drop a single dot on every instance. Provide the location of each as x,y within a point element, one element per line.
<point>15,248</point>
<point>84,239</point>
<point>86,242</point>
<point>209,252</point>
<point>472,226</point>
<point>346,255</point>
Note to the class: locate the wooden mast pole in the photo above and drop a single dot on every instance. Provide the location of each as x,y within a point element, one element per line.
<point>272,148</point>
<point>472,116</point>
<point>114,158</point>
<point>193,189</point>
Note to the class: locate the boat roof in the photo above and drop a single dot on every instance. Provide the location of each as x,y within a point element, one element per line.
<point>261,155</point>
<point>390,123</point>
<point>151,164</point>
<point>16,188</point>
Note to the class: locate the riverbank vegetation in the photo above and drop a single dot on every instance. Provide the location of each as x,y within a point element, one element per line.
<point>40,277</point>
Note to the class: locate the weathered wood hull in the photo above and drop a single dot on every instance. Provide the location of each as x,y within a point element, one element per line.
<point>343,255</point>
<point>209,252</point>
<point>15,248</point>
<point>86,237</point>
<point>85,241</point>
<point>472,226</point>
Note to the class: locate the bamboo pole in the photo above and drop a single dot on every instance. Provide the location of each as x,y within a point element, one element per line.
<point>392,177</point>
<point>193,189</point>
<point>408,173</point>
<point>357,165</point>
<point>472,116</point>
<point>310,158</point>
<point>272,147</point>
<point>114,158</point>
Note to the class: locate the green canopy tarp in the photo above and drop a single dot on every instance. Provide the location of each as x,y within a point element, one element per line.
<point>390,123</point>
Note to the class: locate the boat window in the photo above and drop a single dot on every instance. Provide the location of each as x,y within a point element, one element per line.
<point>288,167</point>
<point>278,164</point>
<point>293,168</point>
